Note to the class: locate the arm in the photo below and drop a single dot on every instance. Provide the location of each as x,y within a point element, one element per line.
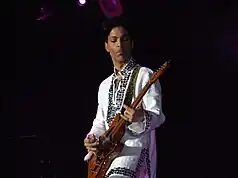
<point>151,103</point>
<point>98,127</point>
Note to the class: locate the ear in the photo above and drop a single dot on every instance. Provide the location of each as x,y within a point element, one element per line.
<point>106,47</point>
<point>132,44</point>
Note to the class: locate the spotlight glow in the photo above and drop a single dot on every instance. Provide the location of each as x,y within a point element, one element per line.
<point>81,2</point>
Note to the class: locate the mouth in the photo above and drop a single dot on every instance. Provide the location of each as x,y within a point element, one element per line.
<point>119,53</point>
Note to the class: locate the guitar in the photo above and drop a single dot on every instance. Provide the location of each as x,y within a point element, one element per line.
<point>110,145</point>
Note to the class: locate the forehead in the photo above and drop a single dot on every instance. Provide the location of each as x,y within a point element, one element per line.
<point>118,32</point>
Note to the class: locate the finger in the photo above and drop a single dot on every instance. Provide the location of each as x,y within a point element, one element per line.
<point>139,105</point>
<point>125,113</point>
<point>86,140</point>
<point>124,117</point>
<point>93,140</point>
<point>129,114</point>
<point>91,144</point>
<point>128,117</point>
<point>91,137</point>
<point>92,149</point>
<point>93,152</point>
<point>125,106</point>
<point>129,111</point>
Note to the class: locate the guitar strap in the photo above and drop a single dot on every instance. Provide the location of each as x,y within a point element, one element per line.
<point>131,88</point>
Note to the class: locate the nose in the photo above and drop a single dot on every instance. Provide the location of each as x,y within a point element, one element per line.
<point>119,43</point>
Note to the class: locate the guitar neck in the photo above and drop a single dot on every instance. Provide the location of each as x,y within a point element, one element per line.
<point>152,80</point>
<point>141,95</point>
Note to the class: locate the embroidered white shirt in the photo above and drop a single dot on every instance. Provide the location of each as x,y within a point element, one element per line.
<point>138,157</point>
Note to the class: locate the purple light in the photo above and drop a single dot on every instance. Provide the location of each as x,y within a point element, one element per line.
<point>43,14</point>
<point>43,17</point>
<point>111,8</point>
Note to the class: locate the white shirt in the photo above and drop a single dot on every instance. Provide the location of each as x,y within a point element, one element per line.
<point>138,157</point>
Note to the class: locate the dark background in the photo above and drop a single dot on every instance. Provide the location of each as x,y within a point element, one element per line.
<point>60,62</point>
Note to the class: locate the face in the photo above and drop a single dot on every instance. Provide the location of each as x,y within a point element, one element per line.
<point>119,45</point>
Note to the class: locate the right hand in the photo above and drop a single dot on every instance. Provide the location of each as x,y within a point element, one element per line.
<point>91,143</point>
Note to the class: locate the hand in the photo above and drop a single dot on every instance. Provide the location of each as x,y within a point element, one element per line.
<point>133,115</point>
<point>91,143</point>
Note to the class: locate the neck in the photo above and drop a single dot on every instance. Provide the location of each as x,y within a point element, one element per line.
<point>119,65</point>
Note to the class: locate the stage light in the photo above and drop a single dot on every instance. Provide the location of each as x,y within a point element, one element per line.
<point>81,2</point>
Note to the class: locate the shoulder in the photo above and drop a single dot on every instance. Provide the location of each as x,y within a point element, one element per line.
<point>106,82</point>
<point>145,75</point>
<point>103,89</point>
<point>145,72</point>
<point>104,85</point>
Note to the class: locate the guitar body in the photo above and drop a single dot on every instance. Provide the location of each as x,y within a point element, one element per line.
<point>109,148</point>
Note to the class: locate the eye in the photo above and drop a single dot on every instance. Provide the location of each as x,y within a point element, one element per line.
<point>126,38</point>
<point>113,39</point>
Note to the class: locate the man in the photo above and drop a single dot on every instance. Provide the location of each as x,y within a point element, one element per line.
<point>138,157</point>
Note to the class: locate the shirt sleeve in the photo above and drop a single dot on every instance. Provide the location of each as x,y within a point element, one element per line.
<point>151,103</point>
<point>98,127</point>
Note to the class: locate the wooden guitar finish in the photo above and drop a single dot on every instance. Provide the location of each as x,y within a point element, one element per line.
<point>110,145</point>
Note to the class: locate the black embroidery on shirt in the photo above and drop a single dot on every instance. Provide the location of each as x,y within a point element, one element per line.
<point>144,160</point>
<point>147,160</point>
<point>148,119</point>
<point>121,171</point>
<point>112,109</point>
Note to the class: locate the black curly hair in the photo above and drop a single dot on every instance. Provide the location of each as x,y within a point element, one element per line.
<point>117,21</point>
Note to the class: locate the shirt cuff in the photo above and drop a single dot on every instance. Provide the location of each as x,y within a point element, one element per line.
<point>140,127</point>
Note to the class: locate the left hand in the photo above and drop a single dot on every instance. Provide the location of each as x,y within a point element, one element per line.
<point>133,115</point>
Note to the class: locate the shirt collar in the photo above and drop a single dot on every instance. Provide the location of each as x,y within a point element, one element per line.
<point>130,65</point>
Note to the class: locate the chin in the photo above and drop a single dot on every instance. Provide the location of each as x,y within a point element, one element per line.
<point>120,59</point>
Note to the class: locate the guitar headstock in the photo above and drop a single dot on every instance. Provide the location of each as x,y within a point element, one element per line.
<point>159,72</point>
